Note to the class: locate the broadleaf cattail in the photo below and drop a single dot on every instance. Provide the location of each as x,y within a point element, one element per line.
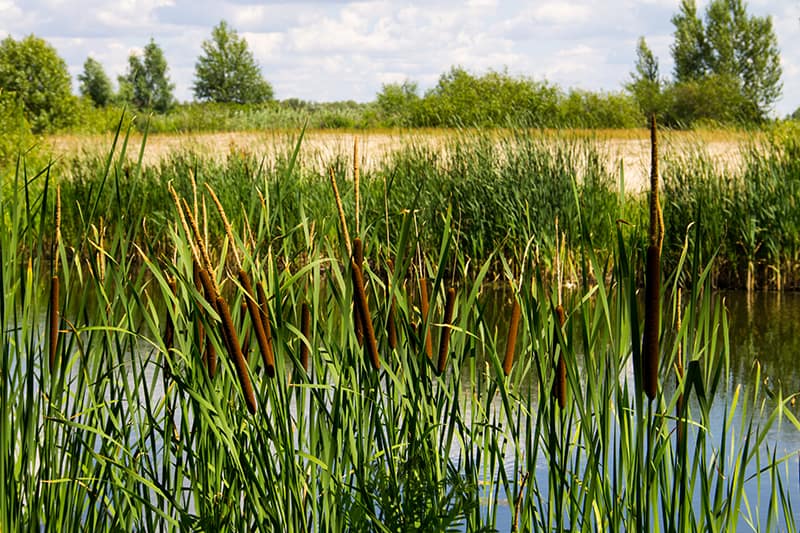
<point>560,382</point>
<point>358,320</point>
<point>444,339</point>
<point>424,306</point>
<point>235,352</point>
<point>245,330</point>
<point>201,333</point>
<point>305,329</point>
<point>264,306</point>
<point>652,309</point>
<point>360,295</point>
<point>54,319</point>
<point>264,341</point>
<point>211,298</point>
<point>511,344</point>
<point>340,208</point>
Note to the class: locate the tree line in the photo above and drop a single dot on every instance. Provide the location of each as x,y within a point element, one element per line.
<point>727,71</point>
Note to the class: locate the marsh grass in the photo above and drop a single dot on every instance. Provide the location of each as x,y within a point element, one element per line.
<point>129,433</point>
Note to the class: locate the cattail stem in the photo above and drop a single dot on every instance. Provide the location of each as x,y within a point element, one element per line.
<point>560,382</point>
<point>305,329</point>
<point>511,344</point>
<point>264,342</point>
<point>444,340</point>
<point>235,352</point>
<point>391,324</point>
<point>264,307</point>
<point>53,320</point>
<point>360,295</point>
<point>424,306</point>
<point>681,424</point>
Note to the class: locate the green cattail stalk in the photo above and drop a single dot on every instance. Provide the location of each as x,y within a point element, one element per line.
<point>391,323</point>
<point>358,320</point>
<point>305,329</point>
<point>264,344</point>
<point>560,382</point>
<point>511,345</point>
<point>680,424</point>
<point>360,295</point>
<point>424,305</point>
<point>235,352</point>
<point>652,309</point>
<point>444,340</point>
<point>53,319</point>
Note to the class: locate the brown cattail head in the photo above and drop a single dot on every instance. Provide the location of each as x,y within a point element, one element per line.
<point>198,323</point>
<point>360,295</point>
<point>444,340</point>
<point>560,382</point>
<point>264,307</point>
<point>651,322</point>
<point>305,329</point>
<point>358,320</point>
<point>54,318</point>
<point>245,330</point>
<point>211,298</point>
<point>235,353</point>
<point>424,305</point>
<point>511,344</point>
<point>264,341</point>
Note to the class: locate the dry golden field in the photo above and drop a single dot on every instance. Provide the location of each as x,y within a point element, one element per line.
<point>630,147</point>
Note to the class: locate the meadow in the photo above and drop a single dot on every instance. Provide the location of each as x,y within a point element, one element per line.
<point>228,341</point>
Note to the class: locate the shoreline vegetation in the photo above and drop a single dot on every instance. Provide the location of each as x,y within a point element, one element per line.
<point>220,356</point>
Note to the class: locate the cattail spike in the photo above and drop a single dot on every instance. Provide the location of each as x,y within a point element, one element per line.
<point>511,344</point>
<point>360,295</point>
<point>424,306</point>
<point>358,320</point>
<point>235,352</point>
<point>210,294</point>
<point>264,341</point>
<point>444,340</point>
<point>560,382</point>
<point>305,329</point>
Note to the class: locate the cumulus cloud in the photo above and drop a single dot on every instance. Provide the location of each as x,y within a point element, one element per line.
<point>339,49</point>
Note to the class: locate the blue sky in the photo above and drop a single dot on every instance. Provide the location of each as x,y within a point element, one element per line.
<point>338,50</point>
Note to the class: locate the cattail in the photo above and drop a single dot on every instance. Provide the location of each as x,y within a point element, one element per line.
<point>652,305</point>
<point>210,294</point>
<point>391,324</point>
<point>560,382</point>
<point>423,307</point>
<point>358,320</point>
<point>264,341</point>
<point>511,345</point>
<point>305,329</point>
<point>444,340</point>
<point>54,317</point>
<point>342,219</point>
<point>169,325</point>
<point>201,333</point>
<point>264,306</point>
<point>235,352</point>
<point>245,331</point>
<point>360,295</point>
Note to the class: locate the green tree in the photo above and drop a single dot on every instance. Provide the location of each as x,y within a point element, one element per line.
<point>732,45</point>
<point>146,84</point>
<point>645,84</point>
<point>227,72</point>
<point>33,70</point>
<point>396,103</point>
<point>95,84</point>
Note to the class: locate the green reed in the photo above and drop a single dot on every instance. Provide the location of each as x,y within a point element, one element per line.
<point>131,432</point>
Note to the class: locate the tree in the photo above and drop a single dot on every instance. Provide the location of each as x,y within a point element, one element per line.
<point>146,85</point>
<point>732,45</point>
<point>95,84</point>
<point>396,102</point>
<point>33,70</point>
<point>227,72</point>
<point>645,85</point>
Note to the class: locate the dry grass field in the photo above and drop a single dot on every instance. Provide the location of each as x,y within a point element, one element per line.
<point>630,147</point>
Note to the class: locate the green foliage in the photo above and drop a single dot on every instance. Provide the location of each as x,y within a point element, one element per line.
<point>396,103</point>
<point>645,84</point>
<point>732,46</point>
<point>227,72</point>
<point>588,109</point>
<point>33,70</point>
<point>15,132</point>
<point>146,84</point>
<point>95,84</point>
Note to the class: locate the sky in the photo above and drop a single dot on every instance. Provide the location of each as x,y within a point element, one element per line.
<point>326,50</point>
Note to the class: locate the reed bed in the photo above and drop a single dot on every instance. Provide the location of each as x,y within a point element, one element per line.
<point>131,432</point>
